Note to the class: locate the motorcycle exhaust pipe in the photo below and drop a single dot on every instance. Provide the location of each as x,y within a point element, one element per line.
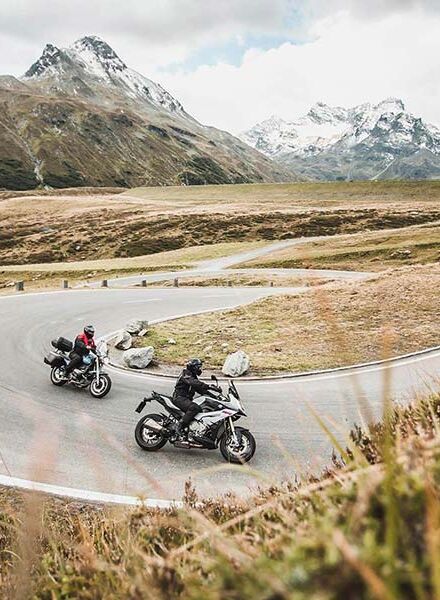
<point>154,426</point>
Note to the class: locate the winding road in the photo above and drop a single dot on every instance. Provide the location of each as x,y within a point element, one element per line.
<point>85,447</point>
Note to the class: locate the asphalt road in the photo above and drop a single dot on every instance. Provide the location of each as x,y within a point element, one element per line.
<point>65,437</point>
<point>222,265</point>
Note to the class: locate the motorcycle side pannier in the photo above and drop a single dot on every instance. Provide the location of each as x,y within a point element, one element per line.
<point>53,359</point>
<point>62,344</point>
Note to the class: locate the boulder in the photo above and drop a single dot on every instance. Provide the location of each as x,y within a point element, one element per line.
<point>138,358</point>
<point>136,326</point>
<point>236,364</point>
<point>123,340</point>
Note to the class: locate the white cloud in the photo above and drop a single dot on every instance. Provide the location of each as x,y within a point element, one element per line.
<point>355,51</point>
<point>146,33</point>
<point>349,60</point>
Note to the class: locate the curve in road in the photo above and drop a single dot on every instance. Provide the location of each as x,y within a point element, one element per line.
<point>66,438</point>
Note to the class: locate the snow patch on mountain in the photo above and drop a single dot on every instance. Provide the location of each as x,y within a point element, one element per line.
<point>91,60</point>
<point>324,127</point>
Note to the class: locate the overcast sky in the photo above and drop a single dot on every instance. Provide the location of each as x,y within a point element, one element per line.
<point>233,63</point>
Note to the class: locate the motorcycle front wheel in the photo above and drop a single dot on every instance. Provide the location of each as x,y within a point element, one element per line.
<point>146,438</point>
<point>101,389</point>
<point>57,376</point>
<point>238,453</point>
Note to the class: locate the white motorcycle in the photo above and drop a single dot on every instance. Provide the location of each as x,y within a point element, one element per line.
<point>213,427</point>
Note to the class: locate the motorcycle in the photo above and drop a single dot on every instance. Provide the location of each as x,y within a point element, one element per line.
<point>211,428</point>
<point>90,374</point>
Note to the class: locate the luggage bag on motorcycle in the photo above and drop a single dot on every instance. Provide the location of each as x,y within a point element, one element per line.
<point>53,359</point>
<point>62,344</point>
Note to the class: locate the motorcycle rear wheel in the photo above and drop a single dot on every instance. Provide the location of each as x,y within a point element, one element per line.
<point>238,454</point>
<point>146,438</point>
<point>101,390</point>
<point>57,376</point>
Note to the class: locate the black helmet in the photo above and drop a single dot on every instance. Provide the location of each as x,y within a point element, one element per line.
<point>195,365</point>
<point>89,330</point>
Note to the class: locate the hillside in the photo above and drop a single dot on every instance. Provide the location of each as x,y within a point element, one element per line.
<point>154,219</point>
<point>81,117</point>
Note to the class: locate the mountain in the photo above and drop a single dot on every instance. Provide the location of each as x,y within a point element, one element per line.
<point>382,141</point>
<point>80,116</point>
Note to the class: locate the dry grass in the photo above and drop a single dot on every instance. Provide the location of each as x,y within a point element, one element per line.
<point>244,281</point>
<point>59,228</point>
<point>50,275</point>
<point>366,251</point>
<point>185,257</point>
<point>325,538</point>
<point>69,192</point>
<point>328,326</point>
<point>288,196</point>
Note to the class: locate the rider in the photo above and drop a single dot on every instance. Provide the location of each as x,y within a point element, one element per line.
<point>84,343</point>
<point>186,386</point>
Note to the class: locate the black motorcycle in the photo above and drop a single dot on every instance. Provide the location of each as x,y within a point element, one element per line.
<point>90,374</point>
<point>213,427</point>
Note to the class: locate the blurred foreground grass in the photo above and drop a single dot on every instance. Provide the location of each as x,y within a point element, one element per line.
<point>369,527</point>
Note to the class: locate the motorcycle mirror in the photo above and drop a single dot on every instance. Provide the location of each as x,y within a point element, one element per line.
<point>213,377</point>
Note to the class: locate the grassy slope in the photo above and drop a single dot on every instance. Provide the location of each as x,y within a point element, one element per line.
<point>80,140</point>
<point>366,251</point>
<point>367,530</point>
<point>331,325</point>
<point>46,275</point>
<point>151,220</point>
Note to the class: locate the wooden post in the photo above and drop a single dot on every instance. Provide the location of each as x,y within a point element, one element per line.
<point>229,283</point>
<point>19,286</point>
<point>104,283</point>
<point>271,284</point>
<point>176,282</point>
<point>65,284</point>
<point>144,283</point>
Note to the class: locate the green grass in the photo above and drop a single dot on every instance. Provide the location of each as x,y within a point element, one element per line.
<point>348,534</point>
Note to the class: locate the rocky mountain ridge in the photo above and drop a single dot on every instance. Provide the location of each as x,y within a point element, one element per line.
<point>369,141</point>
<point>81,117</point>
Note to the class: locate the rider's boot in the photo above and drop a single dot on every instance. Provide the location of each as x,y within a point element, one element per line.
<point>179,429</point>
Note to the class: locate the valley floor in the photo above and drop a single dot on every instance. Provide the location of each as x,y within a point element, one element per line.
<point>97,225</point>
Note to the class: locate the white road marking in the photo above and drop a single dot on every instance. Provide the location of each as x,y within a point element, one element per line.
<point>141,301</point>
<point>87,495</point>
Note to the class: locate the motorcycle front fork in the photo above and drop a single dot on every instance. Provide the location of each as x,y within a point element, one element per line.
<point>234,435</point>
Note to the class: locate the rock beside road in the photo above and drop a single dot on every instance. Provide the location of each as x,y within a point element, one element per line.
<point>138,358</point>
<point>135,326</point>
<point>236,364</point>
<point>123,340</point>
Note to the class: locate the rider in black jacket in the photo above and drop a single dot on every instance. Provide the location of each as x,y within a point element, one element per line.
<point>186,386</point>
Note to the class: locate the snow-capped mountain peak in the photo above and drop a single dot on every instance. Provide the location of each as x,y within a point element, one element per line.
<point>92,67</point>
<point>322,113</point>
<point>368,140</point>
<point>47,62</point>
<point>324,126</point>
<point>97,55</point>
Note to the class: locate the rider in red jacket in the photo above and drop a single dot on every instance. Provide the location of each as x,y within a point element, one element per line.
<point>84,343</point>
